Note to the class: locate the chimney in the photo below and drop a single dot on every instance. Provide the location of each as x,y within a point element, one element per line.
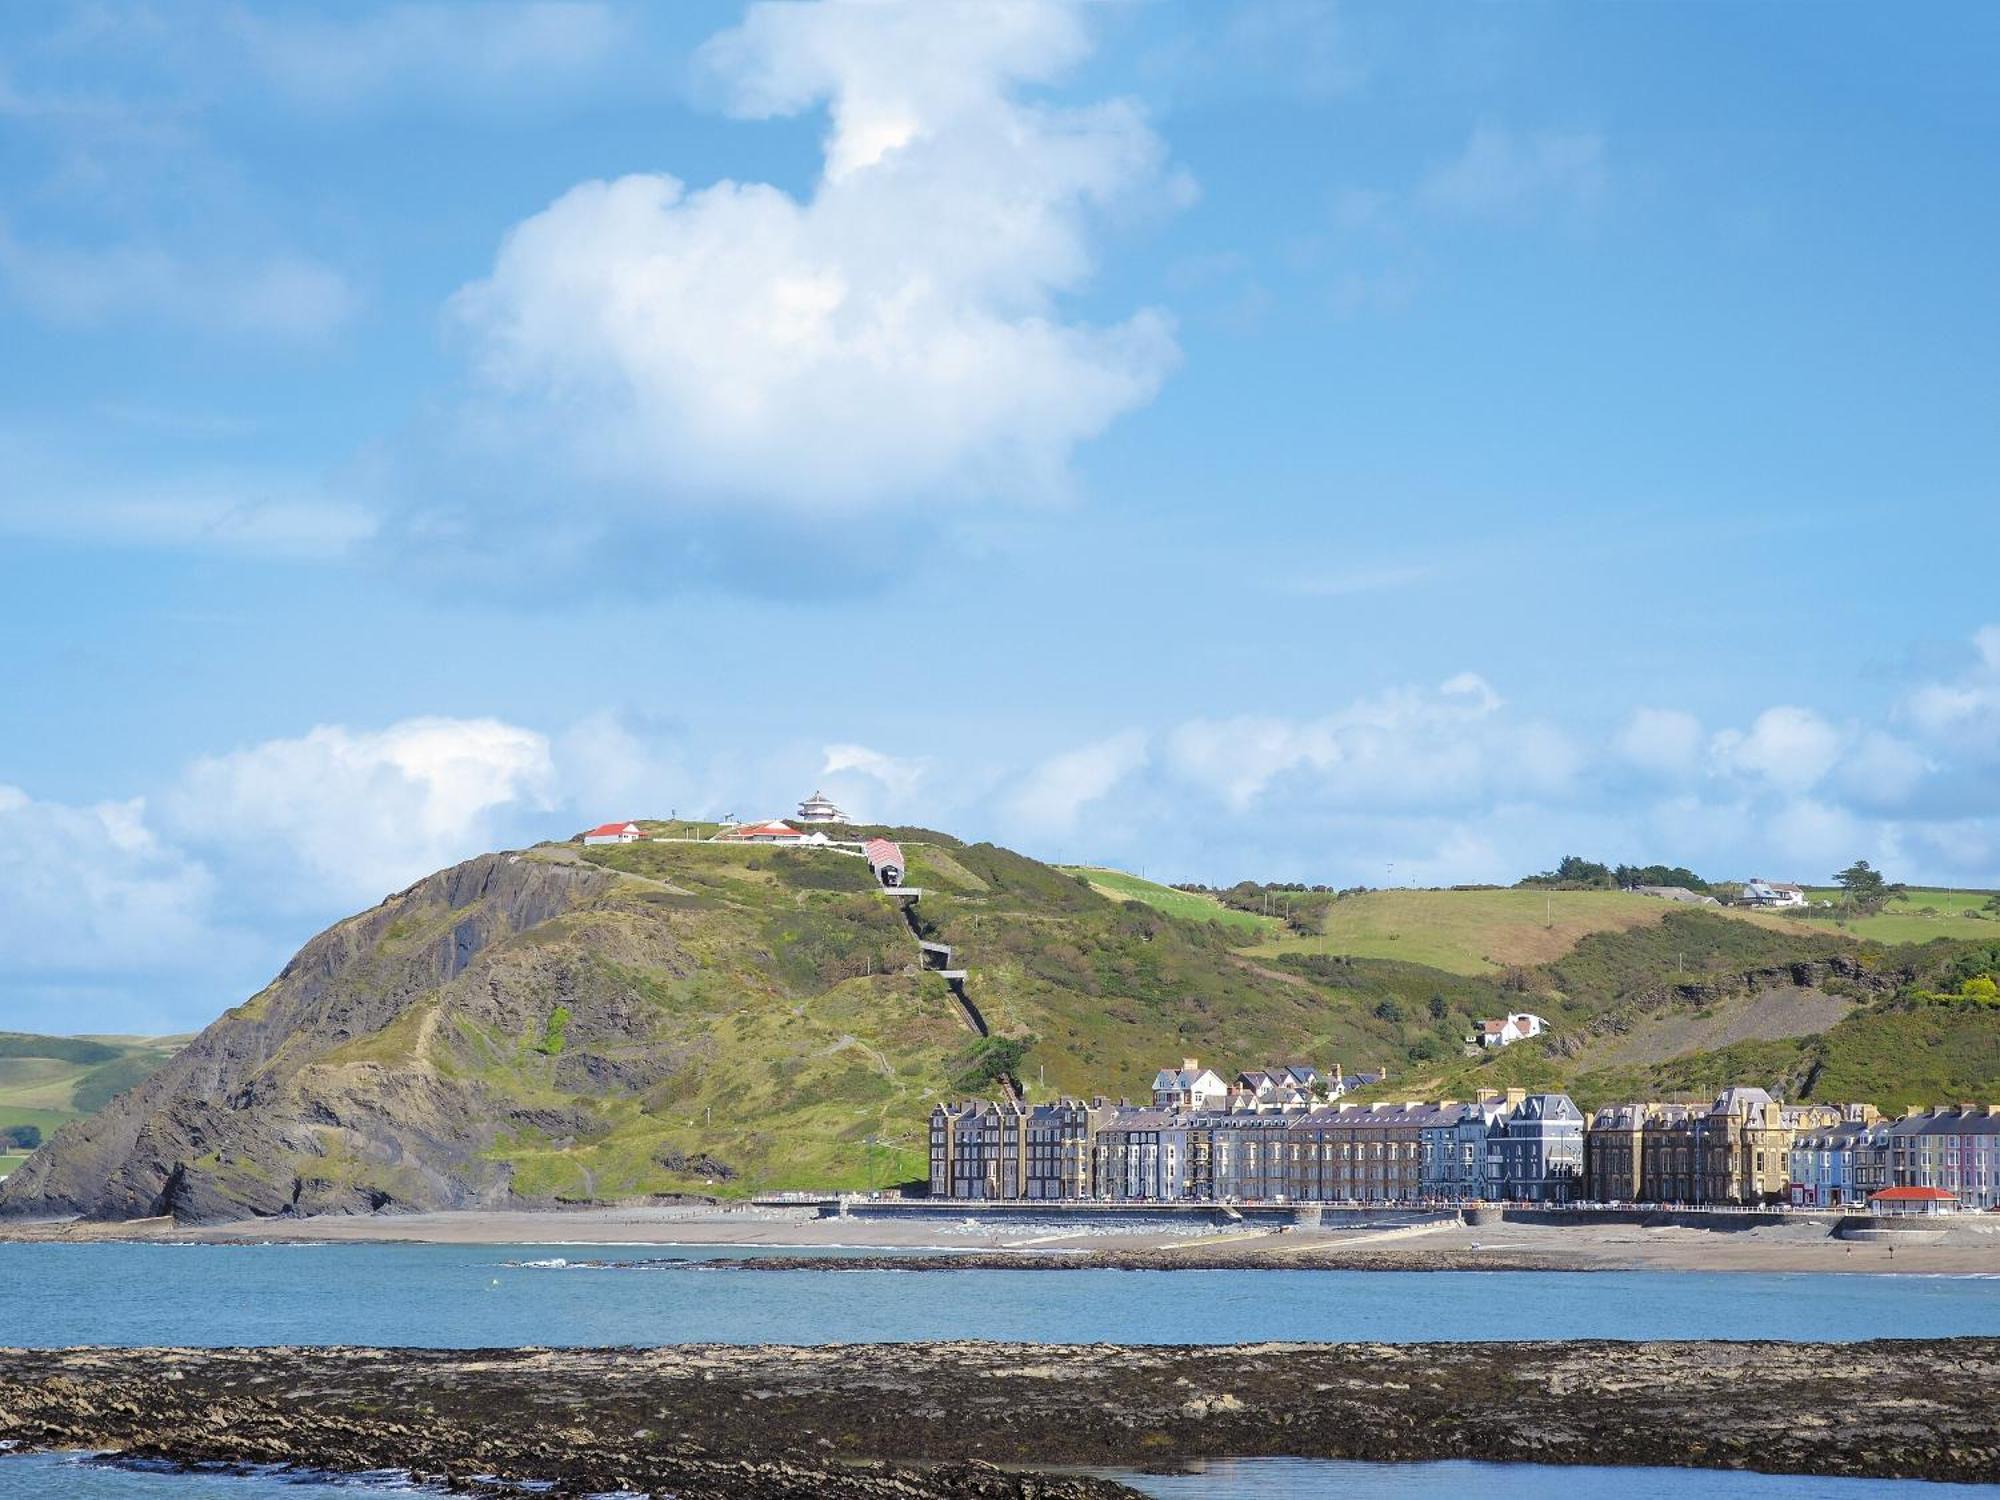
<point>1191,1064</point>
<point>1516,1097</point>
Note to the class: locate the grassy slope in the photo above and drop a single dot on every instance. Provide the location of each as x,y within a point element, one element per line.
<point>1476,932</point>
<point>1120,886</point>
<point>1951,914</point>
<point>49,1081</point>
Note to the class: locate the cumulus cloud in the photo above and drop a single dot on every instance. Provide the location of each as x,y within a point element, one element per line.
<point>86,888</point>
<point>897,334</point>
<point>1964,712</point>
<point>1051,797</point>
<point>1791,748</point>
<point>874,783</point>
<point>1664,741</point>
<point>363,813</point>
<point>1442,747</point>
<point>1503,172</point>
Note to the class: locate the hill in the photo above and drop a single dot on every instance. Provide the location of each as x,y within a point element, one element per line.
<point>47,1081</point>
<point>1120,886</point>
<point>566,1024</point>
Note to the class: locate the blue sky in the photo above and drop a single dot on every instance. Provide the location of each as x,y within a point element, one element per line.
<point>1279,439</point>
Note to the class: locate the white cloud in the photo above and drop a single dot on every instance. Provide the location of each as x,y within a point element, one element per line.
<point>1502,172</point>
<point>1790,748</point>
<point>362,813</point>
<point>1663,741</point>
<point>93,888</point>
<point>1964,713</point>
<point>894,336</point>
<point>1053,795</point>
<point>894,780</point>
<point>283,296</point>
<point>1408,748</point>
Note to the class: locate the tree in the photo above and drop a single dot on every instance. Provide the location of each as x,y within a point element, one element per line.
<point>1388,1010</point>
<point>21,1137</point>
<point>1863,886</point>
<point>1438,1008</point>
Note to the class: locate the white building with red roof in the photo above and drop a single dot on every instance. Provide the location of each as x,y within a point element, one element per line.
<point>614,833</point>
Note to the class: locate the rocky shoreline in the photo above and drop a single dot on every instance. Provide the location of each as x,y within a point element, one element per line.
<point>972,1421</point>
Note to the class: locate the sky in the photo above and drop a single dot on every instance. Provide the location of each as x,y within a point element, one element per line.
<point>1362,444</point>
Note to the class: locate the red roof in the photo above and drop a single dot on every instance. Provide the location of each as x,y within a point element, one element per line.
<point>1913,1195</point>
<point>608,830</point>
<point>774,828</point>
<point>883,852</point>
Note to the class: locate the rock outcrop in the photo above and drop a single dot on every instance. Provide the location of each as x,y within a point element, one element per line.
<point>960,1418</point>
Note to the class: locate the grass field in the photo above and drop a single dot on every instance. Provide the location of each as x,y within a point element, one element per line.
<point>1120,886</point>
<point>1475,932</point>
<point>49,1081</point>
<point>1929,913</point>
<point>9,1161</point>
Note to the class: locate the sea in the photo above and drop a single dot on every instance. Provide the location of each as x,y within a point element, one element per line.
<point>454,1296</point>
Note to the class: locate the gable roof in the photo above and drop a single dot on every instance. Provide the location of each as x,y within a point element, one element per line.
<point>610,830</point>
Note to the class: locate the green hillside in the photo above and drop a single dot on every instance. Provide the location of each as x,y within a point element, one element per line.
<point>1120,886</point>
<point>1918,915</point>
<point>47,1081</point>
<point>594,1024</point>
<point>1478,931</point>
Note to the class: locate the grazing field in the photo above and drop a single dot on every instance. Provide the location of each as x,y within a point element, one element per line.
<point>1477,932</point>
<point>1929,913</point>
<point>1120,886</point>
<point>9,1160</point>
<point>47,1081</point>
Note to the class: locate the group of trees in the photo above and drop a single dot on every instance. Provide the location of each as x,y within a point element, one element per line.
<point>1575,873</point>
<point>20,1137</point>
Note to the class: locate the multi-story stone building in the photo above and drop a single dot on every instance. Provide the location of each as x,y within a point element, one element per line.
<point>1535,1154</point>
<point>1614,1153</point>
<point>1457,1144</point>
<point>1746,1144</point>
<point>1828,1164</point>
<point>1001,1149</point>
<point>1141,1155</point>
<point>1669,1154</point>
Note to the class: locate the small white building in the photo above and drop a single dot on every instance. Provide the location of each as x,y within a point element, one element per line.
<point>614,833</point>
<point>770,831</point>
<point>819,808</point>
<point>1772,893</point>
<point>1511,1029</point>
<point>1190,1086</point>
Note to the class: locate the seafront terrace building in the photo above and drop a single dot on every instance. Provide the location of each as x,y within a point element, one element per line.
<point>1535,1153</point>
<point>1954,1150</point>
<point>986,1149</point>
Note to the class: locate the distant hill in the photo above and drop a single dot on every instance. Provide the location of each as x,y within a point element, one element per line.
<point>47,1081</point>
<point>570,1024</point>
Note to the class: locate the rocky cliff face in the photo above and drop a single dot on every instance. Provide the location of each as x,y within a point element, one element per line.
<point>262,1114</point>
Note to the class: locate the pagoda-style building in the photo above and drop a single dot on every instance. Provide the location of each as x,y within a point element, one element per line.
<point>818,809</point>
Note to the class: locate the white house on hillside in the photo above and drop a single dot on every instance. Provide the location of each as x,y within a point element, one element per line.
<point>614,833</point>
<point>1190,1086</point>
<point>1772,893</point>
<point>1515,1028</point>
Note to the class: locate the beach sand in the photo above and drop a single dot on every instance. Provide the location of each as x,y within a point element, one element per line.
<point>1970,1247</point>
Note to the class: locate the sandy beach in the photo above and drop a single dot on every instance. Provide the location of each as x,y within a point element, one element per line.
<point>1970,1247</point>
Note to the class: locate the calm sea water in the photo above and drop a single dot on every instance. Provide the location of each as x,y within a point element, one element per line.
<point>468,1297</point>
<point>465,1297</point>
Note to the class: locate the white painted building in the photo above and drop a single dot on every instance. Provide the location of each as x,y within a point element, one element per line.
<point>1511,1029</point>
<point>614,833</point>
<point>1772,893</point>
<point>819,808</point>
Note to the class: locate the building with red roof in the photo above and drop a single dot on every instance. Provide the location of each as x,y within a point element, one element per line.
<point>614,833</point>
